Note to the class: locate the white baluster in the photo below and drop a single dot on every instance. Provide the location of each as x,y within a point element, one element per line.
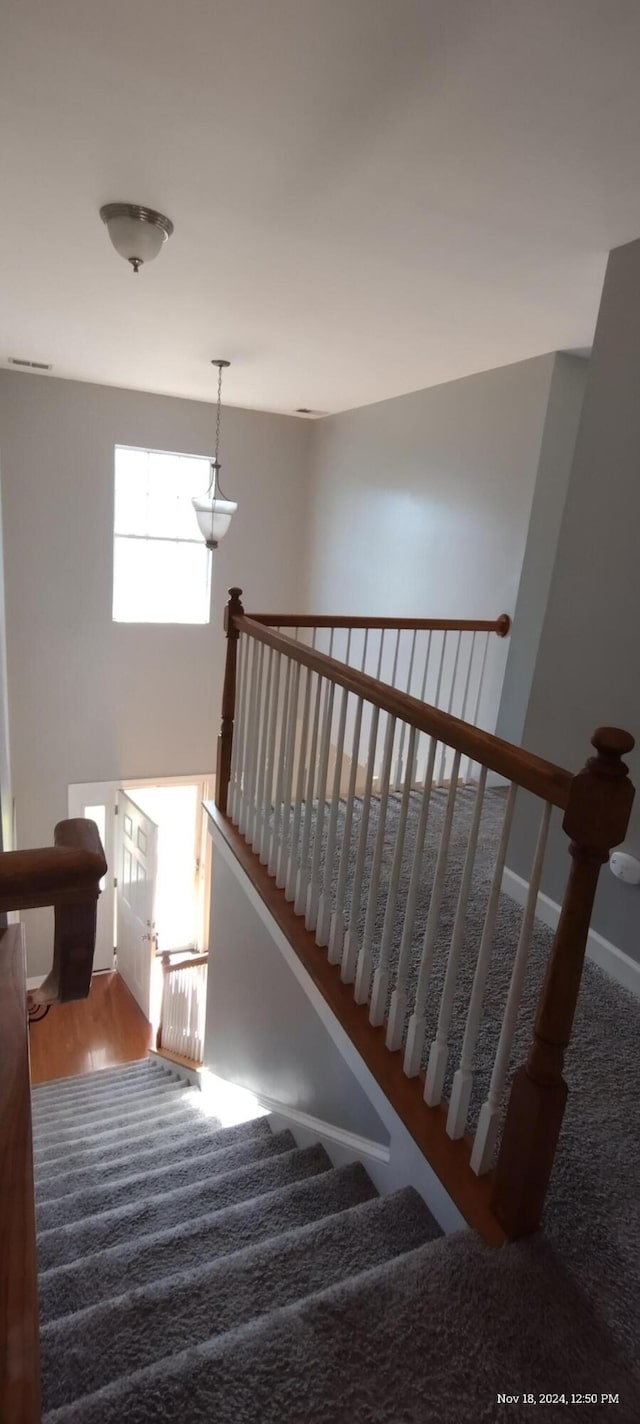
<point>313,892</point>
<point>324,903</point>
<point>337,928</point>
<point>252,761</point>
<point>302,881</point>
<point>265,839</point>
<point>258,827</point>
<point>489,1120</point>
<point>443,650</point>
<point>398,1005</point>
<point>467,685</point>
<point>292,869</point>
<point>238,731</point>
<point>417,1022</point>
<point>274,844</point>
<point>363,971</point>
<point>351,939</point>
<point>439,1052</point>
<point>381,976</point>
<point>394,670</point>
<point>476,710</point>
<point>290,751</point>
<point>252,661</point>
<point>397,781</point>
<point>463,1078</point>
<point>449,707</point>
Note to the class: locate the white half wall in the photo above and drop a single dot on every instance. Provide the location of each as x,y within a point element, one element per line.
<point>270,1031</point>
<point>93,700</point>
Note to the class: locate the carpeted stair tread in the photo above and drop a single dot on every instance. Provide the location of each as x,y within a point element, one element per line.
<point>114,1120</point>
<point>89,1202</point>
<point>92,1084</point>
<point>84,1100</point>
<point>428,1338</point>
<point>194,1305</point>
<point>48,1124</point>
<point>162,1152</point>
<point>149,1135</point>
<point>183,1113</point>
<point>66,1243</point>
<point>146,1258</point>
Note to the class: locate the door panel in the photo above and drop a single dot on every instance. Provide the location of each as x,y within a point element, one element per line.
<point>96,800</point>
<point>137,881</point>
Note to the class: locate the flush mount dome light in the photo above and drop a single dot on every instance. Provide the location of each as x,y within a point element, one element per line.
<point>137,233</point>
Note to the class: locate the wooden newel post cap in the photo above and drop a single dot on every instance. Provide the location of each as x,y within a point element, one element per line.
<point>233,609</point>
<point>611,744</point>
<point>601,795</point>
<point>503,624</point>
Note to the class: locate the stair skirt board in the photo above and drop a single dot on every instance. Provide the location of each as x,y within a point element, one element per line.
<point>194,1271</point>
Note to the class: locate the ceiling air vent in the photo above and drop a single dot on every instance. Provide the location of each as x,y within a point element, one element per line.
<point>305,410</point>
<point>30,365</point>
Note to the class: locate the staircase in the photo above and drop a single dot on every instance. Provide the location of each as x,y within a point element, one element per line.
<point>195,1272</point>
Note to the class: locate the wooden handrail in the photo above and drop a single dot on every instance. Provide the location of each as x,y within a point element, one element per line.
<point>552,783</point>
<point>195,962</point>
<point>62,874</point>
<point>19,1350</point>
<point>500,625</point>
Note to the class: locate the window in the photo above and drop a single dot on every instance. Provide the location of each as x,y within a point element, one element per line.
<point>161,566</point>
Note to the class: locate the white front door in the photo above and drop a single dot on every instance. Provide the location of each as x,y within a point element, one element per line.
<point>137,879</point>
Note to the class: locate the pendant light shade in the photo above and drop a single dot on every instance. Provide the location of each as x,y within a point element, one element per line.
<point>213,510</point>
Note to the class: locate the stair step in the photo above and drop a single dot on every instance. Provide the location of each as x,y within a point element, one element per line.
<point>207,1137</point>
<point>406,1340</point>
<point>194,1305</point>
<point>172,1207</point>
<point>146,1258</point>
<point>132,1185</point>
<point>153,1105</point>
<point>185,1109</point>
<point>48,1124</point>
<point>87,1084</point>
<point>147,1137</point>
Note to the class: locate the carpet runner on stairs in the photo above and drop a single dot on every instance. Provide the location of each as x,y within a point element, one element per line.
<point>195,1272</point>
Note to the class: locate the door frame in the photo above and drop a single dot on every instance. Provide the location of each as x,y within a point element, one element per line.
<point>105,793</point>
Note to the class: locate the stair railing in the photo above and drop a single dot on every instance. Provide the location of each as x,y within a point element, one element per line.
<point>180,1033</point>
<point>307,768</point>
<point>66,875</point>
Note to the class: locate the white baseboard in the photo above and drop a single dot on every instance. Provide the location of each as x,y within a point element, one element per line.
<point>351,1146</point>
<point>600,951</point>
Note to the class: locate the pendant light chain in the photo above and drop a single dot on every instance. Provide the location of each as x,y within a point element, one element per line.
<point>218,412</point>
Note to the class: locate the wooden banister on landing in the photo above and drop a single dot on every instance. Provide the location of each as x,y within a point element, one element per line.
<point>280,809</point>
<point>499,625</point>
<point>62,874</point>
<point>19,1352</point>
<point>544,779</point>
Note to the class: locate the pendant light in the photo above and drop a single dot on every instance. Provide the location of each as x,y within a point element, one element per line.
<point>213,509</point>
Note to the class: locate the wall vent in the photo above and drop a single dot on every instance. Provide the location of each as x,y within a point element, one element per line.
<point>305,410</point>
<point>31,365</point>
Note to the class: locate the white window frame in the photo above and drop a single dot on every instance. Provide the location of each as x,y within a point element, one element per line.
<point>197,541</point>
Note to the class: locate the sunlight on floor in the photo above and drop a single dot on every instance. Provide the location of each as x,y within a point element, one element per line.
<point>227,1102</point>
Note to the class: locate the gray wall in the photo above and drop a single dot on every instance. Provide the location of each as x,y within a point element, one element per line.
<point>420,504</point>
<point>564,406</point>
<point>6,794</point>
<point>91,700</point>
<point>588,666</point>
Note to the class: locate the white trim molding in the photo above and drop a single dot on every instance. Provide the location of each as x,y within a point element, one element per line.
<point>618,965</point>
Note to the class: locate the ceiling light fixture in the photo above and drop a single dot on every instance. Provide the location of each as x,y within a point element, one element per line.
<point>213,509</point>
<point>137,233</point>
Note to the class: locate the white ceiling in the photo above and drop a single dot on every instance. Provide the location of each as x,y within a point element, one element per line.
<point>369,196</point>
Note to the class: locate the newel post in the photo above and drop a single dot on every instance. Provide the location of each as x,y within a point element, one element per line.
<point>225,739</point>
<point>596,820</point>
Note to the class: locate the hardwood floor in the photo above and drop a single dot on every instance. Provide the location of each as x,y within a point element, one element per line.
<point>106,1029</point>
